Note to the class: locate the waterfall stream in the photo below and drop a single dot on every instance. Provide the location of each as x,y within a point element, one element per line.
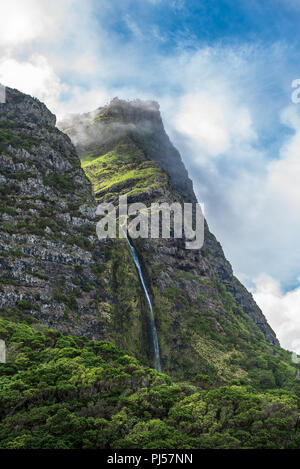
<point>157,364</point>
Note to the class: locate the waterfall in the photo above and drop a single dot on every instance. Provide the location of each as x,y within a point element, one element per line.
<point>157,364</point>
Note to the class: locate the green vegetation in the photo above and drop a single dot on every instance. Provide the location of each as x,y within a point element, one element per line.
<point>64,392</point>
<point>16,140</point>
<point>123,169</point>
<point>122,308</point>
<point>61,182</point>
<point>80,241</point>
<point>209,334</point>
<point>24,305</point>
<point>19,176</point>
<point>6,124</point>
<point>68,299</point>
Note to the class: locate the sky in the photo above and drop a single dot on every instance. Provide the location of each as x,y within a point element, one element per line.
<point>222,71</point>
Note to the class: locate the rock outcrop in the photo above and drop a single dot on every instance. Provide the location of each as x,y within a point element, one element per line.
<point>47,234</point>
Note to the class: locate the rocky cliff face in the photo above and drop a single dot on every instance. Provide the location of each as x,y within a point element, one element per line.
<point>139,123</point>
<point>55,272</point>
<point>203,313</point>
<point>136,122</point>
<point>47,231</point>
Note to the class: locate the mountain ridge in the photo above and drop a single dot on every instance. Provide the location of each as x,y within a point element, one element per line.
<point>142,122</point>
<point>55,273</point>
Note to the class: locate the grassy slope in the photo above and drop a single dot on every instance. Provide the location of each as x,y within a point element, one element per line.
<point>123,167</point>
<point>58,391</point>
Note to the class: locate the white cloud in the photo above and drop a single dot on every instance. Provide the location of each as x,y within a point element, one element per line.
<point>213,122</point>
<point>281,309</point>
<point>133,27</point>
<point>37,78</point>
<point>32,56</point>
<point>81,100</point>
<point>284,174</point>
<point>28,20</point>
<point>34,76</point>
<point>177,4</point>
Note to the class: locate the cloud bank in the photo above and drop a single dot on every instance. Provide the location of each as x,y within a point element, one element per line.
<point>281,309</point>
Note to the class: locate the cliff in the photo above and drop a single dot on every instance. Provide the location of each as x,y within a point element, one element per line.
<point>139,123</point>
<point>200,307</point>
<point>47,222</point>
<point>55,273</point>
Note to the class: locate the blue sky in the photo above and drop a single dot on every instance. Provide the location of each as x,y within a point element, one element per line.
<point>207,21</point>
<point>222,73</point>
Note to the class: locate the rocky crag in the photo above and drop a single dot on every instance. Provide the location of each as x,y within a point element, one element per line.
<point>55,273</point>
<point>47,222</point>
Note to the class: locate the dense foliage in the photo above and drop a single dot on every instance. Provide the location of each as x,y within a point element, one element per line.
<point>58,391</point>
